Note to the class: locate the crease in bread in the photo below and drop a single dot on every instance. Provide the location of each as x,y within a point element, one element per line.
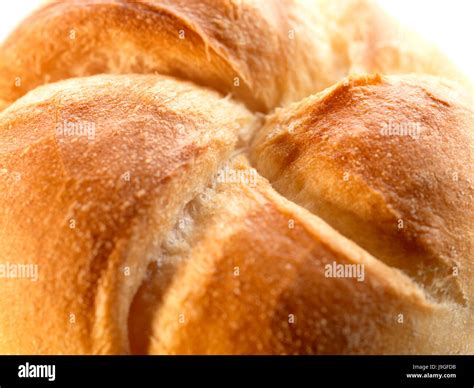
<point>236,290</point>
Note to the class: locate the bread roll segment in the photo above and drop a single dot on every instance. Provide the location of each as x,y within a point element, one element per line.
<point>386,160</point>
<point>253,279</point>
<point>90,211</point>
<point>266,53</point>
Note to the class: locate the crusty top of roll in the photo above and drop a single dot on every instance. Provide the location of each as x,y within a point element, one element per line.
<point>387,161</point>
<point>89,206</point>
<point>266,53</point>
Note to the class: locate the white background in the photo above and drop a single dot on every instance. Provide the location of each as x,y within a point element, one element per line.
<point>448,23</point>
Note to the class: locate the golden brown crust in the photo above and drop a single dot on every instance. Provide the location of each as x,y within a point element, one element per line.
<point>211,43</point>
<point>387,157</point>
<point>266,53</point>
<point>84,209</point>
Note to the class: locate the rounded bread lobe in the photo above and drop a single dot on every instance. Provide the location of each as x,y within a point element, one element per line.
<point>386,160</point>
<point>93,172</point>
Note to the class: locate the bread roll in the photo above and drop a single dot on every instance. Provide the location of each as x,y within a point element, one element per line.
<point>161,213</point>
<point>266,53</point>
